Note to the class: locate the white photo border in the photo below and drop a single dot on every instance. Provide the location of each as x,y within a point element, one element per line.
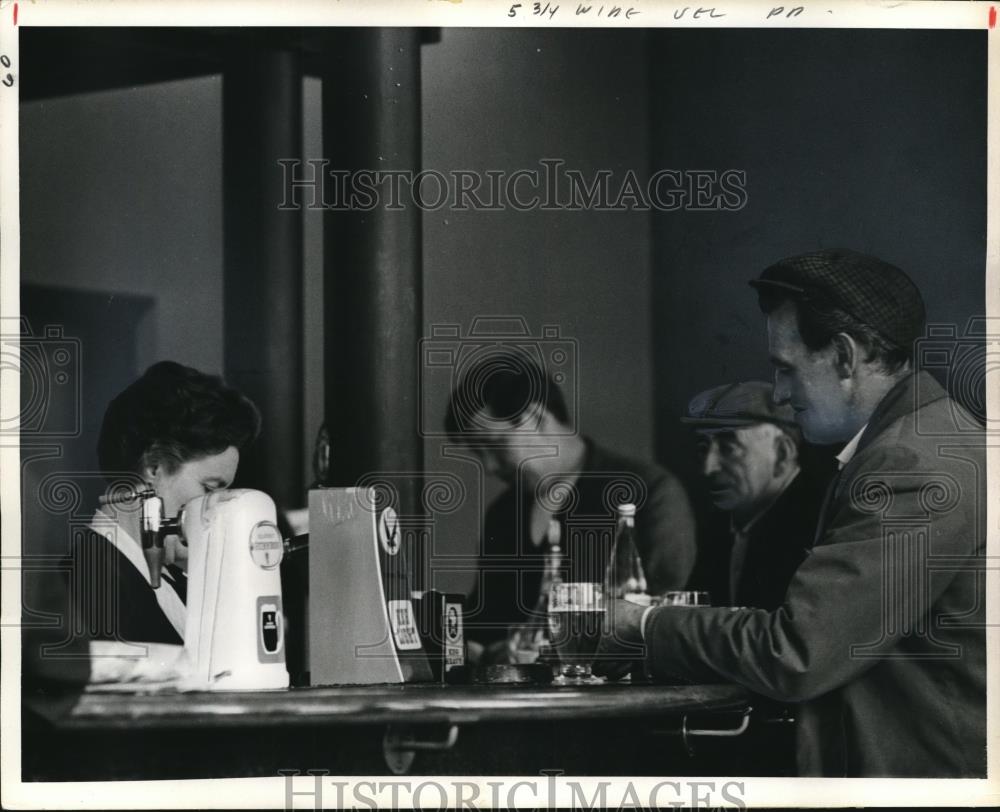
<point>271,792</point>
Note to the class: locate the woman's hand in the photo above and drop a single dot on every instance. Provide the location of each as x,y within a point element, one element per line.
<point>117,661</point>
<point>175,552</point>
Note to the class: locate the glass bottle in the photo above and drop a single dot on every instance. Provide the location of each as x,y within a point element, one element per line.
<point>553,566</point>
<point>527,640</point>
<point>624,577</point>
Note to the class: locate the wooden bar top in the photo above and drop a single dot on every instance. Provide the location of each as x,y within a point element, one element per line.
<point>380,704</point>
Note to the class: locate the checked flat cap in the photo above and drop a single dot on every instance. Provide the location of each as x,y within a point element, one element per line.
<point>738,404</point>
<point>869,289</point>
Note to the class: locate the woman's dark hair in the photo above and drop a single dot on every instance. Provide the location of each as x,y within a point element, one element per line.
<point>173,414</point>
<point>819,321</point>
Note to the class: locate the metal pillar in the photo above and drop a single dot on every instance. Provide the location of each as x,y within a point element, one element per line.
<point>262,123</point>
<point>373,301</point>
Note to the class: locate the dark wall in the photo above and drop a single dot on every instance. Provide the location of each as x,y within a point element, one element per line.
<point>873,140</point>
<point>503,100</point>
<point>121,193</point>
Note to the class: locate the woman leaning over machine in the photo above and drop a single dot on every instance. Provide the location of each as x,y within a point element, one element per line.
<point>176,431</point>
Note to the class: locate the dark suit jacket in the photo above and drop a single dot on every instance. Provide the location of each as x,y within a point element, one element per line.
<point>881,635</point>
<point>510,574</point>
<point>779,541</point>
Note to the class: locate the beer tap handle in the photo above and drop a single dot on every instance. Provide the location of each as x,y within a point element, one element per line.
<point>152,534</point>
<point>296,543</point>
<point>154,560</point>
<point>127,494</point>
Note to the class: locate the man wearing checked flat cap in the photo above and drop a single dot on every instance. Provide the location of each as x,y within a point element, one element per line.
<point>880,640</point>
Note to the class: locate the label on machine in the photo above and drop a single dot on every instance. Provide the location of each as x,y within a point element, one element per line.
<point>270,634</point>
<point>388,531</point>
<point>454,644</point>
<point>266,545</point>
<point>404,625</point>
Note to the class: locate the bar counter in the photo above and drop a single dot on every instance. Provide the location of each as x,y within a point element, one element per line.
<point>416,728</point>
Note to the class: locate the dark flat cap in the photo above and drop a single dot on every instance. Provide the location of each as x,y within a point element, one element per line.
<point>738,404</point>
<point>869,289</point>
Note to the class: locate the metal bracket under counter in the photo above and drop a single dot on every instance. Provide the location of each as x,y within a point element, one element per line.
<point>400,745</point>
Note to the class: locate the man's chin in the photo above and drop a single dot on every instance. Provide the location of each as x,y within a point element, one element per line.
<point>819,435</point>
<point>723,500</point>
<point>811,432</point>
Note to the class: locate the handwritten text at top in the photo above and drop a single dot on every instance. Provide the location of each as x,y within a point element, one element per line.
<point>611,11</point>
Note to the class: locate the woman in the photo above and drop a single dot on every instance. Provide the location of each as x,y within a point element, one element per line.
<point>180,432</point>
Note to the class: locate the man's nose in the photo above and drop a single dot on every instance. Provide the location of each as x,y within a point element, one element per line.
<point>491,463</point>
<point>782,391</point>
<point>710,464</point>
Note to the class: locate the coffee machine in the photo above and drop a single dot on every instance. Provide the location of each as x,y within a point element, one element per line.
<point>234,636</point>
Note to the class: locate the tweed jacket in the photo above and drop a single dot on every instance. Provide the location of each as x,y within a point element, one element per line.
<point>881,636</point>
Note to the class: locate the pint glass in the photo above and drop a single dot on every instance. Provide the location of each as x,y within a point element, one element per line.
<point>576,617</point>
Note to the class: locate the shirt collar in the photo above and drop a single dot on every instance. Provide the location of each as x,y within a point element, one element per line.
<point>849,450</point>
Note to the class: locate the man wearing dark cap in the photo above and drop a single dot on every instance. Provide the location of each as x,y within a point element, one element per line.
<point>880,639</point>
<point>749,452</point>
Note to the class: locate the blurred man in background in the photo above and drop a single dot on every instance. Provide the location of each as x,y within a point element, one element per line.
<point>513,415</point>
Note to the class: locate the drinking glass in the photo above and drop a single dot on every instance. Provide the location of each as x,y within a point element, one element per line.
<point>576,617</point>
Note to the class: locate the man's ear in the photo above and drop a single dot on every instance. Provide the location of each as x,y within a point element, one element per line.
<point>846,355</point>
<point>785,453</point>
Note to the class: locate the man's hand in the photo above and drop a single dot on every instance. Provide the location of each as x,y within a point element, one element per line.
<point>496,653</point>
<point>621,644</point>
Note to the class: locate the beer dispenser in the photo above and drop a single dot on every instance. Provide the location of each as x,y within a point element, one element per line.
<point>362,625</point>
<point>234,635</point>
